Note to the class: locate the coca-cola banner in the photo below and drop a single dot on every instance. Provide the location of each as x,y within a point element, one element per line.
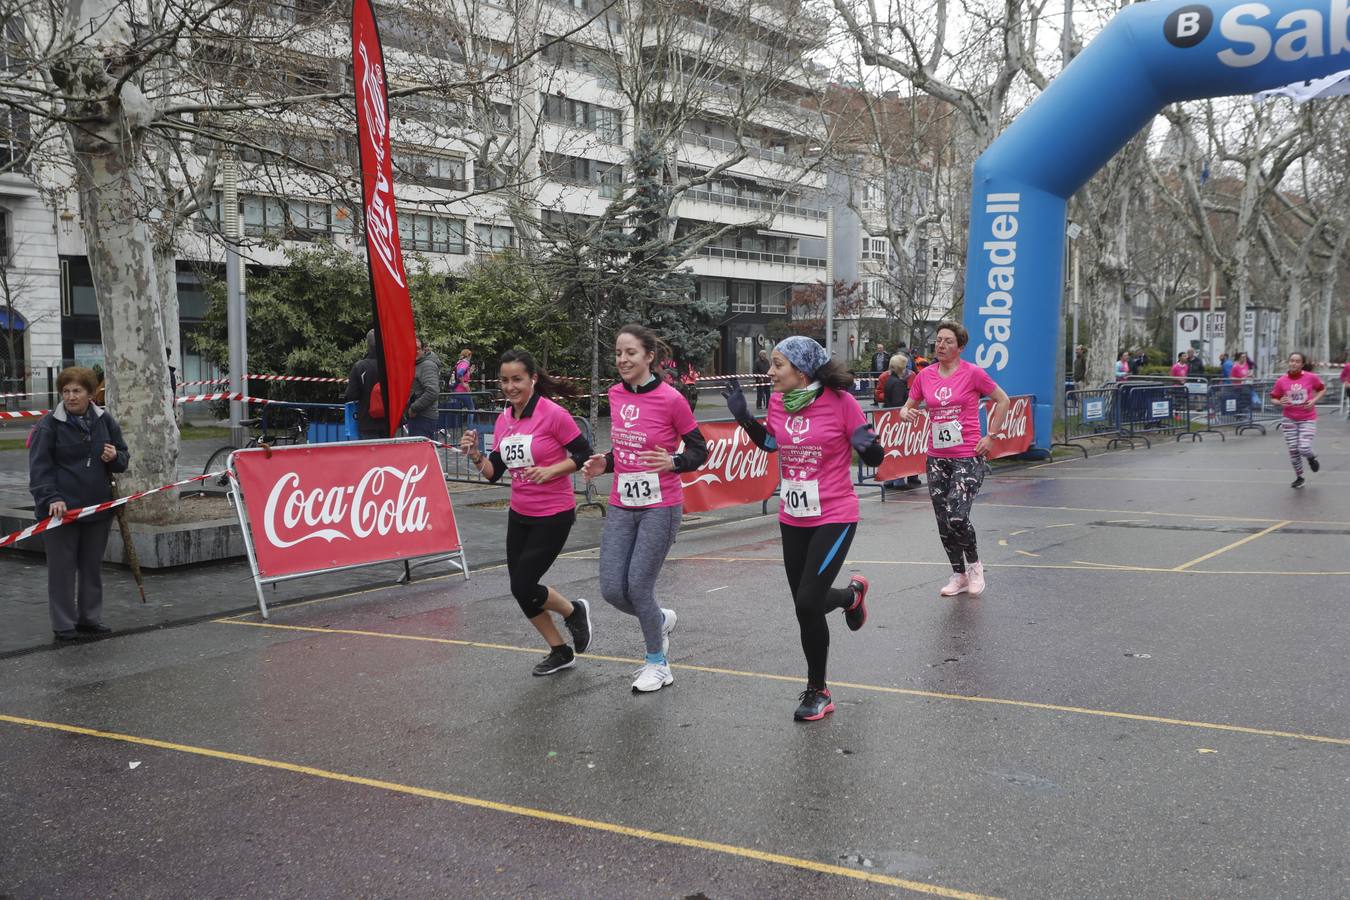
<point>322,506</point>
<point>735,472</point>
<point>906,443</point>
<point>388,281</point>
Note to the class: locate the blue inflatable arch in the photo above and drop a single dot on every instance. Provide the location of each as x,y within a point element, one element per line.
<point>1150,55</point>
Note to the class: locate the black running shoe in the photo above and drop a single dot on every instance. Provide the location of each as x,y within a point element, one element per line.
<point>1314,464</point>
<point>1297,482</point>
<point>579,624</point>
<point>856,614</point>
<point>816,704</point>
<point>559,658</point>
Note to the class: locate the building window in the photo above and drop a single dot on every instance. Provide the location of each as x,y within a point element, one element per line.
<point>428,170</point>
<point>494,237</point>
<point>775,298</point>
<point>263,216</point>
<point>876,248</point>
<point>605,122</point>
<point>743,297</point>
<point>713,290</point>
<point>431,234</point>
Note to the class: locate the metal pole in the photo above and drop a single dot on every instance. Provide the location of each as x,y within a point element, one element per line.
<point>1075,297</point>
<point>829,280</point>
<point>235,319</point>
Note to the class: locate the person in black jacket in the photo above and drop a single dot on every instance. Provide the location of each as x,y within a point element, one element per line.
<point>761,369</point>
<point>897,392</point>
<point>366,375</point>
<point>73,451</point>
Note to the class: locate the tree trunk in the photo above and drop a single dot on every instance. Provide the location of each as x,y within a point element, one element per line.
<point>595,370</point>
<point>1235,303</point>
<point>166,274</point>
<point>1103,325</point>
<point>1293,310</point>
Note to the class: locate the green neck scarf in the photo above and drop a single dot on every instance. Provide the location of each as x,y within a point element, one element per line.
<point>800,399</point>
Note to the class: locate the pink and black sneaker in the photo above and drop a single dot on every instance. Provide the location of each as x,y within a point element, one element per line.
<point>816,704</point>
<point>856,615</point>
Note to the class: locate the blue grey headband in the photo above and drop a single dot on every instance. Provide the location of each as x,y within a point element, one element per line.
<point>804,354</point>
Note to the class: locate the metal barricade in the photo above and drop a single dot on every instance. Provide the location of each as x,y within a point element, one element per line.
<point>1264,409</point>
<point>1149,409</point>
<point>1230,405</point>
<point>1092,413</point>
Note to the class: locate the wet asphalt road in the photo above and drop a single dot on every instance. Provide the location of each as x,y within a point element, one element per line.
<point>1150,700</point>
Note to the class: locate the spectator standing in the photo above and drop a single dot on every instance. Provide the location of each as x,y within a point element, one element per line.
<point>1179,368</point>
<point>880,359</point>
<point>73,451</point>
<point>762,388</point>
<point>898,381</point>
<point>1226,365</point>
<point>1195,367</point>
<point>1345,378</point>
<point>1079,366</point>
<point>460,395</point>
<point>1123,366</point>
<point>422,411</point>
<point>365,385</point>
<point>1242,369</point>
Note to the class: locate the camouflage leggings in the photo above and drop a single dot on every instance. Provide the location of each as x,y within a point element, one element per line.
<point>952,486</point>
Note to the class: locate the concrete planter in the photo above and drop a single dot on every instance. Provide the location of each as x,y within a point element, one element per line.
<point>158,546</point>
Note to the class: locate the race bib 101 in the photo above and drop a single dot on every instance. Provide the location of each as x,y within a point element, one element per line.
<point>801,499</point>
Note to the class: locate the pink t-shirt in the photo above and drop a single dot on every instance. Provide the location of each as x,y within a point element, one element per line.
<point>538,439</point>
<point>954,399</point>
<point>462,376</point>
<point>652,420</point>
<point>1298,390</point>
<point>1345,374</point>
<point>1240,370</point>
<point>815,456</point>
<point>1178,370</point>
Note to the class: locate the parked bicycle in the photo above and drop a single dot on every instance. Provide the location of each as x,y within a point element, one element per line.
<point>293,432</point>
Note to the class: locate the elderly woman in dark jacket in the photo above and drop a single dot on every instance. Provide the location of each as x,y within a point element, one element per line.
<point>73,451</point>
<point>897,392</point>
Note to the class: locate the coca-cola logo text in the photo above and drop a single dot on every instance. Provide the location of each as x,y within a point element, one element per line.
<point>733,458</point>
<point>901,438</point>
<point>1018,418</point>
<point>382,502</point>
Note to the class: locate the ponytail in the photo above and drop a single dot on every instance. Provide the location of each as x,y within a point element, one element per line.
<point>833,375</point>
<point>545,384</point>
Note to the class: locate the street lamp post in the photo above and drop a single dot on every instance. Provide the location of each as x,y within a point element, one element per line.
<point>236,318</point>
<point>829,280</point>
<point>1074,230</point>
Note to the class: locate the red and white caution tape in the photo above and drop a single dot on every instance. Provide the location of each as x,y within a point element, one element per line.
<point>24,414</point>
<point>195,398</point>
<point>74,515</point>
<point>314,379</point>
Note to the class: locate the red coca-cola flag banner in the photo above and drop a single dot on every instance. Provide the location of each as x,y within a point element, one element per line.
<point>735,472</point>
<point>906,443</point>
<point>384,256</point>
<point>324,506</point>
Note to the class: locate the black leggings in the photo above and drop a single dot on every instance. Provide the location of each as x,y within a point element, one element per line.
<point>532,544</point>
<point>952,486</point>
<point>813,556</point>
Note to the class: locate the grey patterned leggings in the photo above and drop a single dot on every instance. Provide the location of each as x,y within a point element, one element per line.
<point>952,486</point>
<point>633,549</point>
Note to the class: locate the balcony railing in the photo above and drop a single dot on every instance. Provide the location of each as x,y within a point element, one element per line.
<point>791,209</point>
<point>760,256</point>
<point>722,145</point>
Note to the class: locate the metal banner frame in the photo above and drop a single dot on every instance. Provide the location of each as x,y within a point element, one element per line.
<point>456,558</point>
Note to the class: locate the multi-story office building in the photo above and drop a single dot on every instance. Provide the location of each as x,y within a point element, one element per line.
<point>487,166</point>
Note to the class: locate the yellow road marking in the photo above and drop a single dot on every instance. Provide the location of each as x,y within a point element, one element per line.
<point>1078,566</point>
<point>1247,540</point>
<point>1141,512</point>
<point>794,679</point>
<point>1002,542</point>
<point>509,808</point>
<point>1027,553</point>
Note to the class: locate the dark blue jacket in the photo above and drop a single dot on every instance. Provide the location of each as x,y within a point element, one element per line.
<point>64,460</point>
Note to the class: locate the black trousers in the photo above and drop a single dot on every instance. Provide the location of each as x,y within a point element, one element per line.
<point>952,486</point>
<point>532,544</point>
<point>75,570</point>
<point>813,556</point>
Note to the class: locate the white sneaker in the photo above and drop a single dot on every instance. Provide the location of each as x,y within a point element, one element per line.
<point>975,579</point>
<point>957,584</point>
<point>653,677</point>
<point>668,620</point>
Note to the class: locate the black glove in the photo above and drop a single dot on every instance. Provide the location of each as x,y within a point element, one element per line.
<point>863,437</point>
<point>736,400</point>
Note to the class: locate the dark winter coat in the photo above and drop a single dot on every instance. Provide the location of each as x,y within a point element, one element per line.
<point>64,460</point>
<point>897,390</point>
<point>365,375</point>
<point>425,388</point>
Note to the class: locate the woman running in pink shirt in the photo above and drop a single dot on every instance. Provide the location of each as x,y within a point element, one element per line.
<point>952,390</point>
<point>649,420</point>
<point>1298,392</point>
<point>814,424</point>
<point>540,445</point>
